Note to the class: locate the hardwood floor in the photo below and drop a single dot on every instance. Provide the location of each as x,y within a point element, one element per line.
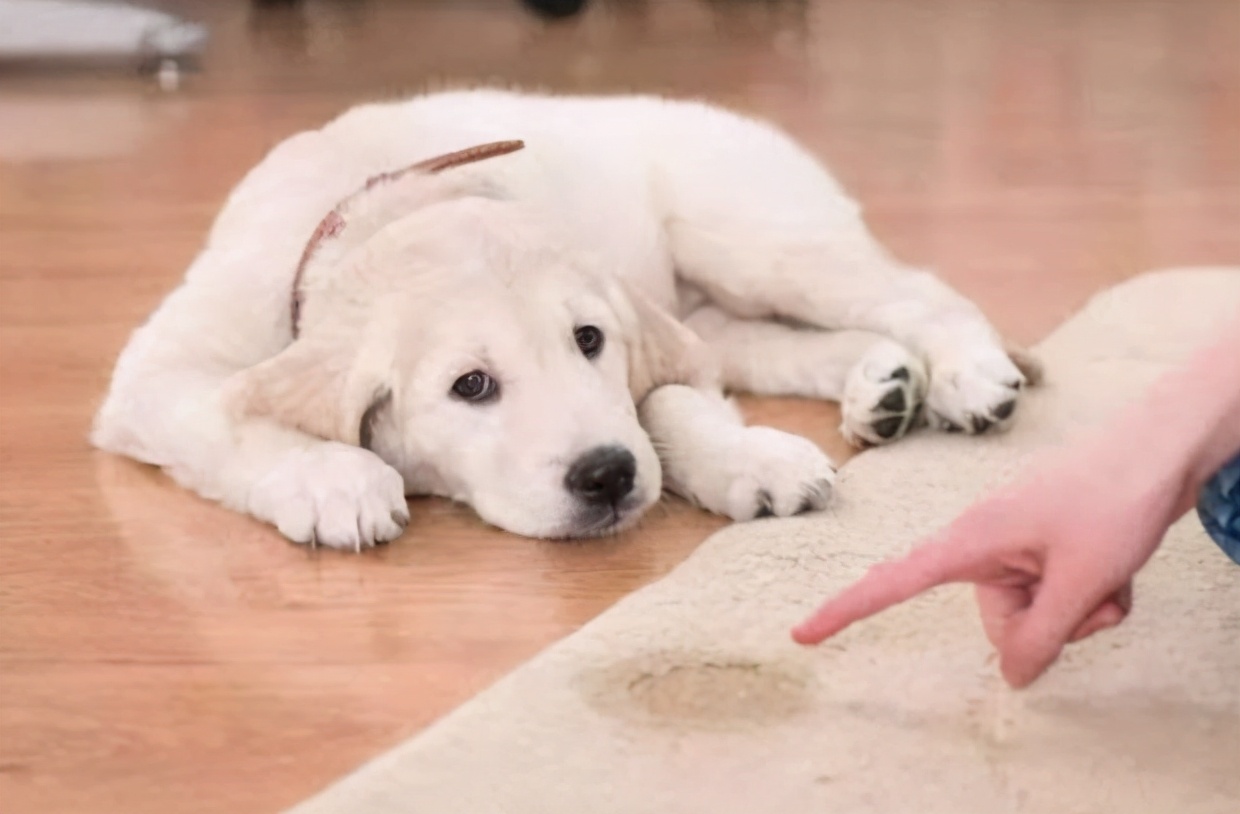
<point>160,654</point>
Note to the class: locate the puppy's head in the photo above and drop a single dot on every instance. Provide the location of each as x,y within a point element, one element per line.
<point>457,339</point>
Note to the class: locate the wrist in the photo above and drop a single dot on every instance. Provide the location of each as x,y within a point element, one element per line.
<point>1179,435</point>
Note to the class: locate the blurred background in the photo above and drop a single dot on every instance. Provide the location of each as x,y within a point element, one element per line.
<point>160,654</point>
<point>960,105</point>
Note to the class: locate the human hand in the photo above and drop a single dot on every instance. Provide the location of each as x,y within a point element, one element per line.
<point>1052,557</point>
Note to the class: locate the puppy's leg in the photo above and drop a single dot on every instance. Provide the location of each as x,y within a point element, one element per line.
<point>168,403</point>
<point>313,491</point>
<point>973,383</point>
<point>711,458</point>
<point>764,231</point>
<point>879,384</point>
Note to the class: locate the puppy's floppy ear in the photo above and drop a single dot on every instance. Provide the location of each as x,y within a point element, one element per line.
<point>661,349</point>
<point>315,386</point>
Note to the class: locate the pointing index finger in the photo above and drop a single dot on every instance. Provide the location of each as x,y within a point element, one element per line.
<point>884,585</point>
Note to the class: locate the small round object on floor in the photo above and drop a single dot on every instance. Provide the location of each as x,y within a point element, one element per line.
<point>169,75</point>
<point>555,9</point>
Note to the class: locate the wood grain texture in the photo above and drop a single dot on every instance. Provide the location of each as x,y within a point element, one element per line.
<point>158,654</point>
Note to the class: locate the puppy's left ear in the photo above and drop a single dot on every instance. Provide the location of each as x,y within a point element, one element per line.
<point>661,349</point>
<point>317,387</point>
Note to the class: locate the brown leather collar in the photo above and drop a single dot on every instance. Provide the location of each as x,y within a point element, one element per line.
<point>334,222</point>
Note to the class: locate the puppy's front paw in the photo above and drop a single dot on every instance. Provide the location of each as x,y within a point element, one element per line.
<point>973,392</point>
<point>882,396</point>
<point>776,474</point>
<point>334,495</point>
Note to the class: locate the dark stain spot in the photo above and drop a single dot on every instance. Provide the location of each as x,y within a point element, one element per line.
<point>1005,410</point>
<point>980,423</point>
<point>900,373</point>
<point>766,506</point>
<point>690,691</point>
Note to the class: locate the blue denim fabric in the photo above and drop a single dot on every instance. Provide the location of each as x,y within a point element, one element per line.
<point>1218,506</point>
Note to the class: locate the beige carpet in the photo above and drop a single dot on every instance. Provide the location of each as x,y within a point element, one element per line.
<point>689,697</point>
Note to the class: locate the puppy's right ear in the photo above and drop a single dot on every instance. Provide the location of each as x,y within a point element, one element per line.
<point>313,386</point>
<point>661,349</point>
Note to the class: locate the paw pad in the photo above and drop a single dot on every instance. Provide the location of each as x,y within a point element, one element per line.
<point>883,397</point>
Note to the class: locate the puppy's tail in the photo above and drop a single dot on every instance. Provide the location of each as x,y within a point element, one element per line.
<point>1028,364</point>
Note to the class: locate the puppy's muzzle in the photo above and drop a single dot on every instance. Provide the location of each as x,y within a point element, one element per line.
<point>602,476</point>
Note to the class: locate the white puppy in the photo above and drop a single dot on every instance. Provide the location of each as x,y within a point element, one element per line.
<point>543,333</point>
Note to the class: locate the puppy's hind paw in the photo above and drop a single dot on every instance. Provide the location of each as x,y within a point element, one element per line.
<point>975,392</point>
<point>882,396</point>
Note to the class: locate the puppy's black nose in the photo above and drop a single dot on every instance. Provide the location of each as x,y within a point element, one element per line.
<point>602,476</point>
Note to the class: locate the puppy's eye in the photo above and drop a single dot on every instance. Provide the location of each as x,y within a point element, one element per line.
<point>475,386</point>
<point>590,340</point>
